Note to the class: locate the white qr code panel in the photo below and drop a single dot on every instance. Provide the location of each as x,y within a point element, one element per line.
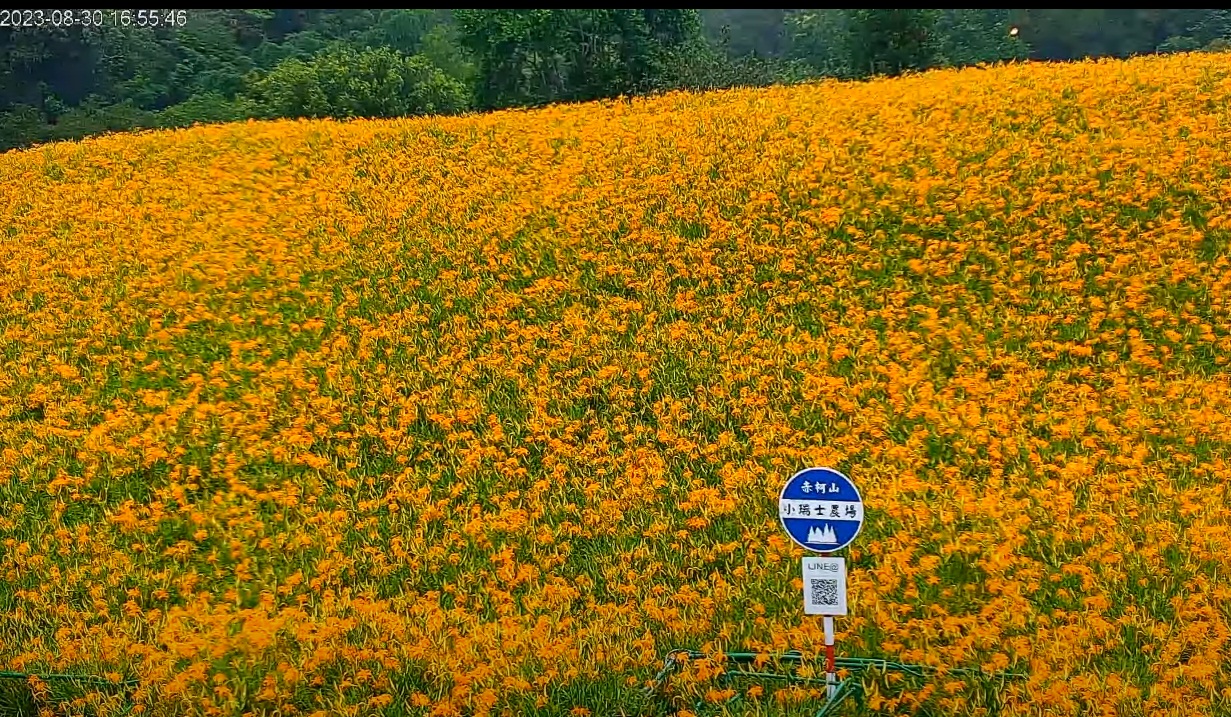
<point>824,586</point>
<point>824,591</point>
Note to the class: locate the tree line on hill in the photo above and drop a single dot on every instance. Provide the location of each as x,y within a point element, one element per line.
<point>227,65</point>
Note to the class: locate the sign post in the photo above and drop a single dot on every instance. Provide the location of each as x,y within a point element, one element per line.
<point>831,674</point>
<point>821,511</point>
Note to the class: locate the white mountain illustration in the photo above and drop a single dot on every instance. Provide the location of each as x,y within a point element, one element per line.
<point>822,535</point>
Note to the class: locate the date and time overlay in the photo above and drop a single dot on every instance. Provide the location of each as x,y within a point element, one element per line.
<point>51,19</point>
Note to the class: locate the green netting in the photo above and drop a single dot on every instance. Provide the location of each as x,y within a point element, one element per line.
<point>849,687</point>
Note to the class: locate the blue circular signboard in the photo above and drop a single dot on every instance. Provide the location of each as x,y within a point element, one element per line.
<point>821,510</point>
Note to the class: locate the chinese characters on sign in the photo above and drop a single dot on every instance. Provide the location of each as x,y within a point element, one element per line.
<point>820,509</point>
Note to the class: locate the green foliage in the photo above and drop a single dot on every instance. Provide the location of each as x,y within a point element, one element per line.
<point>889,42</point>
<point>1220,44</point>
<point>855,43</point>
<point>971,37</point>
<point>93,117</point>
<point>22,124</point>
<point>819,39</point>
<point>755,33</point>
<point>293,88</point>
<point>703,66</point>
<point>211,58</point>
<point>529,57</point>
<point>1210,31</point>
<point>402,30</point>
<point>1179,43</point>
<point>66,83</point>
<point>1212,26</point>
<point>442,47</point>
<point>207,108</point>
<point>16,698</point>
<point>62,83</point>
<point>1071,34</point>
<point>344,82</point>
<point>302,45</point>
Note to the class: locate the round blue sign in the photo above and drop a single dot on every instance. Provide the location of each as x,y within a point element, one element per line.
<point>821,510</point>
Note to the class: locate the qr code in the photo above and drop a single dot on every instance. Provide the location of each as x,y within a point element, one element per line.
<point>824,592</point>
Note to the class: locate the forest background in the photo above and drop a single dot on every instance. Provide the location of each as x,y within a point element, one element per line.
<point>160,69</point>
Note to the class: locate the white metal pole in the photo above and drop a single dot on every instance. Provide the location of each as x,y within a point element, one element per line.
<point>831,685</point>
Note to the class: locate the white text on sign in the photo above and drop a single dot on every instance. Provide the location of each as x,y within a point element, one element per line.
<point>820,509</point>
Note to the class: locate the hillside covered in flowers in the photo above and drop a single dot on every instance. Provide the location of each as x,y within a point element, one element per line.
<point>481,415</point>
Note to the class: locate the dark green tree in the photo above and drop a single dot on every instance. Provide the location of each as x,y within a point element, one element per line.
<point>702,65</point>
<point>67,83</point>
<point>889,42</point>
<point>528,57</point>
<point>93,116</point>
<point>1209,30</point>
<point>442,46</point>
<point>22,124</point>
<point>344,82</point>
<point>402,30</point>
<point>820,40</point>
<point>208,108</point>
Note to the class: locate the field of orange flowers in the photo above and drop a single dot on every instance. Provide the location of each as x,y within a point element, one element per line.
<point>482,415</point>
